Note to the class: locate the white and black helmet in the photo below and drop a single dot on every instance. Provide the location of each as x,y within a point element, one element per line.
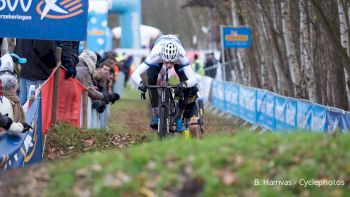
<point>170,52</point>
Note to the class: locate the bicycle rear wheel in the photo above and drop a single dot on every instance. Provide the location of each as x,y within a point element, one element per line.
<point>163,124</point>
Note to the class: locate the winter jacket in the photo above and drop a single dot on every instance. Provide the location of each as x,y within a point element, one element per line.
<point>40,56</point>
<point>70,50</point>
<point>85,78</point>
<point>6,107</point>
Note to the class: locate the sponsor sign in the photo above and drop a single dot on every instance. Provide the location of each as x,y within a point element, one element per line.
<point>44,19</point>
<point>236,37</point>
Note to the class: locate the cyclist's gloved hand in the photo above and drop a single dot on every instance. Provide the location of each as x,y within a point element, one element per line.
<point>181,87</point>
<point>143,87</point>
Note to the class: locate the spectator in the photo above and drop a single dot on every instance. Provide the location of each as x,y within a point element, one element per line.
<point>10,63</point>
<point>5,120</point>
<point>17,63</point>
<point>5,103</point>
<point>40,56</point>
<point>10,86</point>
<point>197,66</point>
<point>12,127</point>
<point>126,68</point>
<point>69,56</point>
<point>101,75</point>
<point>209,63</point>
<point>85,70</point>
<point>101,79</point>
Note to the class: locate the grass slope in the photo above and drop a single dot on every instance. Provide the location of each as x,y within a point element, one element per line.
<point>219,165</point>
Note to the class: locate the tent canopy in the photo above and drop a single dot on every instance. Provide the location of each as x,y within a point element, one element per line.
<point>147,33</point>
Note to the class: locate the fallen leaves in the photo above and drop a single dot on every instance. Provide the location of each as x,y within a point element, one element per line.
<point>85,142</point>
<point>89,141</point>
<point>116,180</point>
<point>124,140</point>
<point>227,176</point>
<point>147,192</point>
<point>81,173</point>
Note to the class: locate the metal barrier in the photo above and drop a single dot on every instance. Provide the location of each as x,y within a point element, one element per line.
<point>275,112</point>
<point>94,119</point>
<point>119,84</point>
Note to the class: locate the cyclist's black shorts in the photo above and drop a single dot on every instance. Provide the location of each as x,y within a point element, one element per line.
<point>191,110</point>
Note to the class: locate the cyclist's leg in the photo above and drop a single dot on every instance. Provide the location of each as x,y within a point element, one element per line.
<point>182,77</point>
<point>152,75</point>
<point>191,113</point>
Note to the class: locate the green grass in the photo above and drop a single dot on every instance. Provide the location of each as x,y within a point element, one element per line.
<point>226,162</point>
<point>65,140</point>
<point>225,165</point>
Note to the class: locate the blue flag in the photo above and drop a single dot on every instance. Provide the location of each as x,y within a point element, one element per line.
<point>25,148</point>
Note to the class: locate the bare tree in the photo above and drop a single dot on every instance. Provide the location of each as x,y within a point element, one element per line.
<point>299,48</point>
<point>305,51</point>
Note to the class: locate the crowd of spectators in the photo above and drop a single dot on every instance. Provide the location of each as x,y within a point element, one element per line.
<point>33,61</point>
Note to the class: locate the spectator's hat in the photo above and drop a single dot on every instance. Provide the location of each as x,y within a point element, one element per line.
<point>6,63</point>
<point>17,59</point>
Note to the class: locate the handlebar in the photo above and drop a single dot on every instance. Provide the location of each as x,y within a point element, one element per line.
<point>143,94</point>
<point>157,86</point>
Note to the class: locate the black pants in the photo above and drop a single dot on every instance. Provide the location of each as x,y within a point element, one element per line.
<point>152,75</point>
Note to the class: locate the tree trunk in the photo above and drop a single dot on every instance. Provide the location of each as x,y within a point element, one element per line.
<point>331,32</point>
<point>305,51</point>
<point>268,70</point>
<point>244,76</point>
<point>282,74</point>
<point>344,35</point>
<point>290,48</point>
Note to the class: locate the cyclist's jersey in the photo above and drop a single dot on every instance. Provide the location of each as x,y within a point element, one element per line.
<point>155,60</point>
<point>156,54</point>
<point>190,94</point>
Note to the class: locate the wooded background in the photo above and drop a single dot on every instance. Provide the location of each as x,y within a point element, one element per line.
<point>300,48</point>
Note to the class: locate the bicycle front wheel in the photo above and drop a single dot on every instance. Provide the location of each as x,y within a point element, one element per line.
<point>163,124</point>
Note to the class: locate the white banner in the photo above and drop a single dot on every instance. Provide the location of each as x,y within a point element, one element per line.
<point>204,87</point>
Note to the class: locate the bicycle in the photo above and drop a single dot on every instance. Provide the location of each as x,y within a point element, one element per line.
<point>168,106</point>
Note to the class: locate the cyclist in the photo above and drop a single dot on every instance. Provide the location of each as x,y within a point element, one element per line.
<point>167,51</point>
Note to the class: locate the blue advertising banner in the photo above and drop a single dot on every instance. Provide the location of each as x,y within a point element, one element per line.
<point>44,19</point>
<point>291,114</point>
<point>345,122</point>
<point>34,118</point>
<point>276,112</point>
<point>232,98</point>
<point>218,95</point>
<point>318,118</point>
<point>280,112</point>
<point>10,154</point>
<point>266,109</point>
<point>304,113</point>
<point>334,118</point>
<point>25,148</point>
<point>247,104</point>
<point>236,37</point>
